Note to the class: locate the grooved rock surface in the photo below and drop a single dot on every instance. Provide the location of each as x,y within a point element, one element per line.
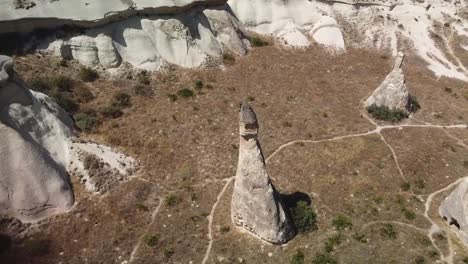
<point>33,180</point>
<point>256,206</point>
<point>454,209</point>
<point>37,150</point>
<point>191,39</point>
<point>392,92</point>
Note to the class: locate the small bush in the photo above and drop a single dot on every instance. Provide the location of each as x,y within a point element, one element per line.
<point>298,258</point>
<point>151,240</point>
<point>332,242</point>
<point>304,217</point>
<point>172,97</point>
<point>323,258</point>
<point>85,122</point>
<point>414,103</point>
<point>66,102</point>
<point>360,238</point>
<point>172,200</point>
<point>185,93</point>
<point>250,98</point>
<point>258,42</point>
<point>83,94</point>
<point>228,57</point>
<point>143,90</point>
<point>169,252</point>
<point>88,75</point>
<point>388,231</point>
<point>143,78</point>
<point>61,83</point>
<point>342,222</point>
<point>111,111</point>
<point>386,114</point>
<point>40,85</point>
<point>224,229</point>
<point>410,215</point>
<point>199,84</point>
<point>121,99</point>
<point>406,186</point>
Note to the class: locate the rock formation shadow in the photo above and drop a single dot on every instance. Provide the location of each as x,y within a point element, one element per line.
<point>290,200</point>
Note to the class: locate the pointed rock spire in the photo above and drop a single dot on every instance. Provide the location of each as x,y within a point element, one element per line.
<point>256,205</point>
<point>454,209</point>
<point>392,92</point>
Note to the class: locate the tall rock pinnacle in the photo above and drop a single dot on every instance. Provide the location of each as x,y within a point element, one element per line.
<point>454,209</point>
<point>392,92</point>
<point>256,205</point>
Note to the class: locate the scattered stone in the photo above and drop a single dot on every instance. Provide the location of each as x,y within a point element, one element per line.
<point>256,205</point>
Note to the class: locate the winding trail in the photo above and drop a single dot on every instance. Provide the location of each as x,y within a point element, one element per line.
<point>153,219</point>
<point>210,220</point>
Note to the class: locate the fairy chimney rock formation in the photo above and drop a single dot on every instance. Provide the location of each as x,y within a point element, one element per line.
<point>256,205</point>
<point>392,92</point>
<point>454,209</point>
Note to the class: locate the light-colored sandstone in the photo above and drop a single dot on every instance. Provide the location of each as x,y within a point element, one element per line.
<point>256,205</point>
<point>454,209</point>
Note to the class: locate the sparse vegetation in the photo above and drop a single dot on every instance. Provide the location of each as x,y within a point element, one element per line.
<point>142,90</point>
<point>386,114</point>
<point>388,231</point>
<point>224,229</point>
<point>199,84</point>
<point>83,94</point>
<point>86,121</point>
<point>61,83</point>
<point>87,74</point>
<point>419,183</point>
<point>360,238</point>
<point>41,85</point>
<point>172,97</point>
<point>406,186</point>
<point>410,215</point>
<point>172,200</point>
<point>332,242</point>
<point>121,99</point>
<point>304,217</point>
<point>169,252</point>
<point>298,258</point>
<point>228,58</point>
<point>257,41</point>
<point>151,240</point>
<point>323,258</point>
<point>143,78</point>
<point>111,111</point>
<point>185,93</point>
<point>66,102</point>
<point>342,222</point>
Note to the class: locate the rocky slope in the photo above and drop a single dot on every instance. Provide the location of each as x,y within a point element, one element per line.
<point>39,150</point>
<point>454,210</point>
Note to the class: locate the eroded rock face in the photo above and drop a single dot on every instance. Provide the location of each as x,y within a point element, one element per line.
<point>392,92</point>
<point>33,181</point>
<point>256,206</point>
<point>454,209</point>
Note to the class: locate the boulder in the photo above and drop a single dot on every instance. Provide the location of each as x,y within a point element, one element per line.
<point>392,92</point>
<point>454,209</point>
<point>256,206</point>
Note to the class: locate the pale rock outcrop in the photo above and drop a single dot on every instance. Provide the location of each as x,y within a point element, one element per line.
<point>454,209</point>
<point>38,150</point>
<point>256,205</point>
<point>380,24</point>
<point>392,92</point>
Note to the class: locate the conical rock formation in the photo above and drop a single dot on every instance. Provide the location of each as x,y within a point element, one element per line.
<point>256,206</point>
<point>392,92</point>
<point>454,209</point>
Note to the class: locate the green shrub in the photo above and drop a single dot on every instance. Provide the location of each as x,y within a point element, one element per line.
<point>172,97</point>
<point>66,102</point>
<point>121,99</point>
<point>304,217</point>
<point>406,186</point>
<point>143,78</point>
<point>41,85</point>
<point>388,231</point>
<point>83,94</point>
<point>61,83</point>
<point>143,90</point>
<point>224,229</point>
<point>342,222</point>
<point>169,252</point>
<point>88,75</point>
<point>386,114</point>
<point>410,215</point>
<point>332,242</point>
<point>258,42</point>
<point>151,240</point>
<point>199,84</point>
<point>323,258</point>
<point>85,122</point>
<point>111,111</point>
<point>298,258</point>
<point>414,103</point>
<point>185,93</point>
<point>172,200</point>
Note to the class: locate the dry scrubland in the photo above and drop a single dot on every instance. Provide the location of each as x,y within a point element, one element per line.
<point>367,210</point>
